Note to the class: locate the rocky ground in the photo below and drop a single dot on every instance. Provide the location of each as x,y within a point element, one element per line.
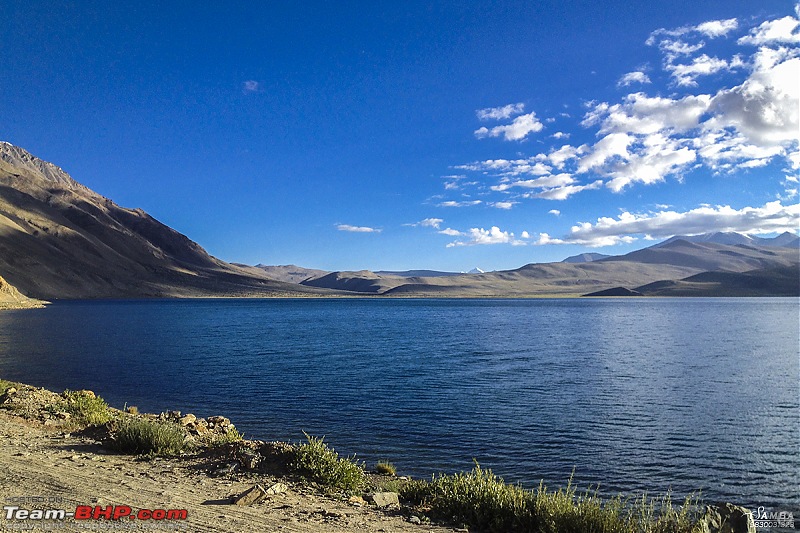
<point>47,462</point>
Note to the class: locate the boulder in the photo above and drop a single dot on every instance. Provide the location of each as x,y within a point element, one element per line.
<point>385,499</point>
<point>727,518</point>
<point>188,419</point>
<point>254,494</point>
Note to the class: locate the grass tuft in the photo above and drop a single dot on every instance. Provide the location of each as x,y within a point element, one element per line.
<point>151,437</point>
<point>386,468</point>
<point>483,500</point>
<point>84,406</point>
<point>319,463</point>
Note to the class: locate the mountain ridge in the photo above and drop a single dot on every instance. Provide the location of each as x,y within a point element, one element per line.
<point>60,239</point>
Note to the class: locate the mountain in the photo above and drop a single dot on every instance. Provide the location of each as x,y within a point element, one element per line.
<point>289,273</point>
<point>784,240</point>
<point>675,260</point>
<point>773,281</point>
<point>416,273</point>
<point>60,239</point>
<point>476,270</point>
<point>585,258</point>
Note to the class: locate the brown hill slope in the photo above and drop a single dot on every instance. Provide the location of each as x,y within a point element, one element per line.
<point>676,260</point>
<point>59,239</point>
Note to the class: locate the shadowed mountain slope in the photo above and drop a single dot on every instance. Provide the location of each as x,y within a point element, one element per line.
<point>59,239</point>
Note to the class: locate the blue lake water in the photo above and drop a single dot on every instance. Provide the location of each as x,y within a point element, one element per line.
<point>633,394</point>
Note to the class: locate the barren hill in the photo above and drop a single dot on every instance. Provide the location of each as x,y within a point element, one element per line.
<point>59,239</point>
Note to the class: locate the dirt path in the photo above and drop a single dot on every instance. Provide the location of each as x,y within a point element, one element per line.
<point>66,471</point>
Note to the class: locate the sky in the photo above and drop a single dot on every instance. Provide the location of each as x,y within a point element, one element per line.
<point>407,135</point>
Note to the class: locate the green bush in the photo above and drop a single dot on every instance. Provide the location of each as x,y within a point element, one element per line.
<point>484,501</point>
<point>319,463</point>
<point>230,436</point>
<point>146,436</point>
<point>84,406</point>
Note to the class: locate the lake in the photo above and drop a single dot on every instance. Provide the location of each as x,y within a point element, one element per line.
<point>633,394</point>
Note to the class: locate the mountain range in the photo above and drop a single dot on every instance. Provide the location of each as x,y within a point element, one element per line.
<point>59,239</point>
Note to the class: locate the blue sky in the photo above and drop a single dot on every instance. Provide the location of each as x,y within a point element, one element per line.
<point>444,135</point>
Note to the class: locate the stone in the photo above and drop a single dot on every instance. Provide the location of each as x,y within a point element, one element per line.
<point>87,393</point>
<point>63,415</point>
<point>219,421</point>
<point>254,494</point>
<point>385,499</point>
<point>226,470</point>
<point>277,488</point>
<point>415,520</point>
<point>188,419</point>
<point>727,518</point>
<point>357,501</point>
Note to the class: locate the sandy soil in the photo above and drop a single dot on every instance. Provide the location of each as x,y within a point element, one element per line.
<point>66,471</point>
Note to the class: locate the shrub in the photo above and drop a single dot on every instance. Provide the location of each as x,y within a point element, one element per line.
<point>84,406</point>
<point>483,500</point>
<point>386,468</point>
<point>319,463</point>
<point>146,436</point>
<point>230,436</point>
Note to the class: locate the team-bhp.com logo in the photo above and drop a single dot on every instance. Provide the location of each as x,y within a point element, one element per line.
<point>97,512</point>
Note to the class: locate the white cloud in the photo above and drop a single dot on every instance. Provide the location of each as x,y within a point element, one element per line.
<point>642,114</point>
<point>765,109</point>
<point>779,31</point>
<point>519,128</point>
<point>464,203</point>
<point>633,77</point>
<point>564,192</point>
<point>451,232</point>
<point>506,167</point>
<point>560,135</point>
<point>557,180</point>
<point>711,29</point>
<point>773,217</point>
<point>503,205</point>
<point>490,236</point>
<point>686,74</point>
<point>717,28</point>
<point>500,113</point>
<point>554,212</point>
<point>430,223</point>
<point>659,156</point>
<point>357,229</point>
<point>251,86</point>
<point>613,145</point>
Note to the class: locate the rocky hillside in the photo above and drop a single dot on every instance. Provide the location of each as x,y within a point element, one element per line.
<point>671,264</point>
<point>59,239</point>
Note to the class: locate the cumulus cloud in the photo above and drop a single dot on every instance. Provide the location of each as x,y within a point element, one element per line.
<point>356,229</point>
<point>781,31</point>
<point>633,77</point>
<point>686,74</point>
<point>519,128</point>
<point>429,223</point>
<point>554,212</point>
<point>483,236</point>
<point>500,113</point>
<point>773,217</point>
<point>749,123</point>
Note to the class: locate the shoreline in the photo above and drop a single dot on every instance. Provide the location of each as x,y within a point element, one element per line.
<point>49,453</point>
